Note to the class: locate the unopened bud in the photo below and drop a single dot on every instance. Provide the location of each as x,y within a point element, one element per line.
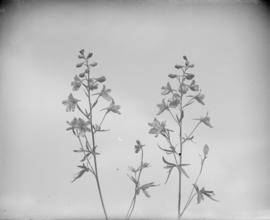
<point>81,51</point>
<point>93,64</point>
<point>101,79</point>
<point>81,75</point>
<point>89,55</point>
<point>172,76</point>
<point>189,76</point>
<point>178,66</point>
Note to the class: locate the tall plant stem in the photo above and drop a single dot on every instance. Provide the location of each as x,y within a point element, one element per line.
<point>94,145</point>
<point>180,174</point>
<point>191,195</point>
<point>133,201</point>
<point>180,154</point>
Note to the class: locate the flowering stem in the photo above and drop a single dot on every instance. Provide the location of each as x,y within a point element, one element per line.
<point>188,103</point>
<point>103,119</point>
<point>95,102</point>
<point>180,158</point>
<point>191,133</point>
<point>79,108</point>
<point>167,137</point>
<point>188,203</point>
<point>93,143</point>
<point>172,115</point>
<point>191,195</point>
<point>88,161</point>
<point>132,205</point>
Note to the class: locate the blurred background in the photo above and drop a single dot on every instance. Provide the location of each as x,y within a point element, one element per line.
<point>136,45</point>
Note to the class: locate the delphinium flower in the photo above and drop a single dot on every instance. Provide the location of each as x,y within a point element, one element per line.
<point>135,177</point>
<point>205,120</point>
<point>175,101</point>
<point>85,128</point>
<point>113,108</point>
<point>79,126</point>
<point>76,83</point>
<point>70,103</point>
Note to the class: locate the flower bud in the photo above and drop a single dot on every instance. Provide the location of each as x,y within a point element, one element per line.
<point>89,55</point>
<point>185,58</point>
<point>79,65</point>
<point>205,150</point>
<point>81,51</point>
<point>93,64</point>
<point>172,76</point>
<point>178,66</point>
<point>101,79</point>
<point>189,76</point>
<point>81,75</point>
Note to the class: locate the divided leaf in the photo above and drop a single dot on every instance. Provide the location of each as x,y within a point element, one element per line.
<point>85,156</point>
<point>81,172</point>
<point>133,179</point>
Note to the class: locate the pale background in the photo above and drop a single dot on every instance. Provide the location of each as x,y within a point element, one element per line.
<point>136,46</point>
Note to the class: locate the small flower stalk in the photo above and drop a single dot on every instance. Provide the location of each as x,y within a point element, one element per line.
<point>175,102</point>
<point>86,127</point>
<point>135,177</point>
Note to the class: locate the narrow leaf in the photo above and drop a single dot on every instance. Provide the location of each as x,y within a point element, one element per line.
<point>85,156</point>
<point>165,161</point>
<point>169,174</point>
<point>133,179</point>
<point>166,150</point>
<point>148,185</point>
<point>184,172</point>
<point>146,193</point>
<point>79,175</point>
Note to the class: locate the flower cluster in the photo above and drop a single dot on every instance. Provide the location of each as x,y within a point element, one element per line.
<point>86,82</point>
<point>175,100</point>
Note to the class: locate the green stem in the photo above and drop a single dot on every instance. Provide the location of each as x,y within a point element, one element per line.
<point>94,145</point>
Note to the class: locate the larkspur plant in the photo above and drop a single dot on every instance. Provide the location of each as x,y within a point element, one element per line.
<point>175,103</point>
<point>86,128</point>
<point>135,177</point>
